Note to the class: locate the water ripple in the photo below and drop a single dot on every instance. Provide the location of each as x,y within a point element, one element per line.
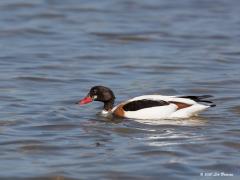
<point>53,51</point>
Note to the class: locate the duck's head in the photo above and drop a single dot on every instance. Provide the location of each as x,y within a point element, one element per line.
<point>100,93</point>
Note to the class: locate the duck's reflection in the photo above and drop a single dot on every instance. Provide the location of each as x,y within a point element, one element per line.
<point>193,121</point>
<point>174,132</point>
<point>162,132</point>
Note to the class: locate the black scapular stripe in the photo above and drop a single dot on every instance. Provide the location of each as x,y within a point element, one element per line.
<point>144,103</point>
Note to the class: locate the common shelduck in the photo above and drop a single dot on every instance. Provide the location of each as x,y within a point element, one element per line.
<point>149,106</point>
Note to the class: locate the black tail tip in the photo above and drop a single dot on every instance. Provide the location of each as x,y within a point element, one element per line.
<point>205,96</point>
<point>213,105</point>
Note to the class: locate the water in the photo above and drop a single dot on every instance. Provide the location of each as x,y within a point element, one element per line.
<point>53,51</point>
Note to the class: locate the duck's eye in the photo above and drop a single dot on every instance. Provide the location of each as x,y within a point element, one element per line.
<point>95,91</point>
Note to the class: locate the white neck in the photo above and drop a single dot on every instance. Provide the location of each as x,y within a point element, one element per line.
<point>105,113</point>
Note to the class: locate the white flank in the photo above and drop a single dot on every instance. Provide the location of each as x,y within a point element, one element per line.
<point>157,112</point>
<point>189,111</point>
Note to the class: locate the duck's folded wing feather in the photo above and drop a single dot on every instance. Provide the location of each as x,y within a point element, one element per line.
<point>143,103</point>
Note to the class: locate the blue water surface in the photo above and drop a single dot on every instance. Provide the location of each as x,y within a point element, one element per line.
<point>53,51</point>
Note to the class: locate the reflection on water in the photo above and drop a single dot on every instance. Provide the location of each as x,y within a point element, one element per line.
<point>194,121</point>
<point>52,52</point>
<point>171,138</point>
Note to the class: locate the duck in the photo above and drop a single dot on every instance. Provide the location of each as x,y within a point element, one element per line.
<point>151,107</point>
